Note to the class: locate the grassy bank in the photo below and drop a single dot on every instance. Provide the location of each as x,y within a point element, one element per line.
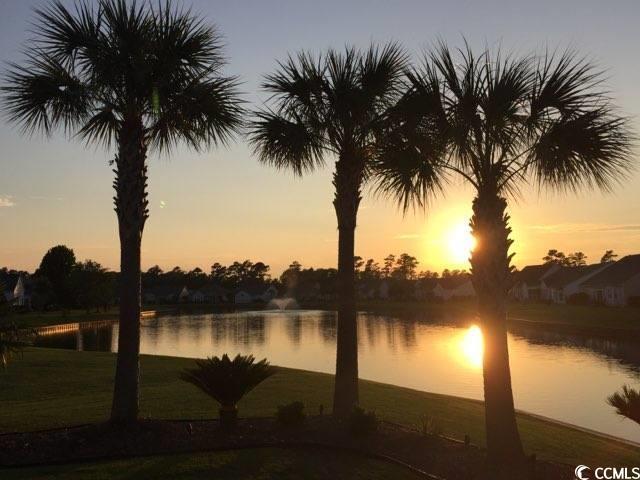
<point>588,317</point>
<point>256,464</point>
<point>52,388</point>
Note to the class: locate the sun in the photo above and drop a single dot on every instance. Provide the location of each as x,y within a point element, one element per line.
<point>460,242</point>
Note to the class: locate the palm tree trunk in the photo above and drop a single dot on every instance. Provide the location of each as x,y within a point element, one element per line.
<point>346,202</point>
<point>131,207</point>
<point>490,262</point>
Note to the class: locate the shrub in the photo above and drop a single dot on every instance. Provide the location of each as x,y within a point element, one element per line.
<point>627,403</point>
<point>580,298</point>
<point>291,414</point>
<point>430,426</point>
<point>362,423</point>
<point>227,381</point>
<point>634,301</point>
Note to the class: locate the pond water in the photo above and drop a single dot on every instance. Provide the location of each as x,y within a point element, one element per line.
<point>565,377</point>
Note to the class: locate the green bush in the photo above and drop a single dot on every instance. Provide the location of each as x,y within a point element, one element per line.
<point>363,423</point>
<point>291,414</point>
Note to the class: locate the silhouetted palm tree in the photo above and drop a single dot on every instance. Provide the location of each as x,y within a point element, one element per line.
<point>500,122</point>
<point>139,77</point>
<point>332,106</point>
<point>627,403</point>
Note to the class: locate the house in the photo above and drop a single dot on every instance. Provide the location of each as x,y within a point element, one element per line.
<point>165,294</point>
<point>458,286</point>
<point>564,282</point>
<point>250,292</point>
<point>196,296</point>
<point>423,288</point>
<point>15,290</point>
<point>215,293</point>
<point>383,289</point>
<point>616,285</point>
<point>528,281</point>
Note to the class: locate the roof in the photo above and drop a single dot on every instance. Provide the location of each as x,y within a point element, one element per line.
<point>617,273</point>
<point>8,281</point>
<point>533,274</point>
<point>213,289</point>
<point>451,283</point>
<point>566,275</point>
<point>163,291</point>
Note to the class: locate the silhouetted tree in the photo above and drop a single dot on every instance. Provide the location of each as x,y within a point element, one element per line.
<point>56,266</point>
<point>576,259</point>
<point>555,256</point>
<point>405,268</point>
<point>608,256</point>
<point>137,75</point>
<point>498,121</point>
<point>92,286</point>
<point>371,270</point>
<point>389,262</point>
<point>333,105</point>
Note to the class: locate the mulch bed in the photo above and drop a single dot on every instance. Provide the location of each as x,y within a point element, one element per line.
<point>431,456</point>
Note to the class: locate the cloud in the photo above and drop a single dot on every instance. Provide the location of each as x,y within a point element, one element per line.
<point>584,228</point>
<point>6,201</point>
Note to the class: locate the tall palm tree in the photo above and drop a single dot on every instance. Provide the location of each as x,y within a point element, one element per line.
<point>138,77</point>
<point>499,123</point>
<point>332,106</point>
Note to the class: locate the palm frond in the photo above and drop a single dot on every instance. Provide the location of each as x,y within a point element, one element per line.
<point>627,403</point>
<point>590,149</point>
<point>226,380</point>
<point>43,95</point>
<point>91,67</point>
<point>286,144</point>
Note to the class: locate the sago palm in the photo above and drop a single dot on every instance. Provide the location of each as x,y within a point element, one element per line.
<point>138,77</point>
<point>627,403</point>
<point>501,123</point>
<point>227,381</point>
<point>325,107</point>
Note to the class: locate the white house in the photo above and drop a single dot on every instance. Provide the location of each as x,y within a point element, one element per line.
<point>255,292</point>
<point>459,286</point>
<point>15,291</point>
<point>566,281</point>
<point>618,284</point>
<point>528,281</point>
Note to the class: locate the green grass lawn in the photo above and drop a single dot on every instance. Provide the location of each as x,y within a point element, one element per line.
<point>51,388</point>
<point>592,316</point>
<point>255,464</point>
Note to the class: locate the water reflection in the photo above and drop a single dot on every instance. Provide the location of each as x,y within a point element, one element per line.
<point>471,346</point>
<point>559,375</point>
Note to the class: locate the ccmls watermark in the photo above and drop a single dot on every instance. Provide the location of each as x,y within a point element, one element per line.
<point>583,472</point>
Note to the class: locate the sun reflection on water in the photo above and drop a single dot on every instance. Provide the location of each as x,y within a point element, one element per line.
<point>471,347</point>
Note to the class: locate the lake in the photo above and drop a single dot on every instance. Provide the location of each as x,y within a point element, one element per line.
<point>561,376</point>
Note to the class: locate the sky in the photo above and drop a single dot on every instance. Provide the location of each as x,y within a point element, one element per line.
<point>222,205</point>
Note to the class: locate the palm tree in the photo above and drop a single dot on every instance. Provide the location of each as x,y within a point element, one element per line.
<point>139,77</point>
<point>332,105</point>
<point>627,403</point>
<point>500,122</point>
<point>227,381</point>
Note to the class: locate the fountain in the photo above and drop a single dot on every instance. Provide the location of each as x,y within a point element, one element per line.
<point>286,303</point>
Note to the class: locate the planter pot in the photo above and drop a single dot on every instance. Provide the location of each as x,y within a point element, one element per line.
<point>228,417</point>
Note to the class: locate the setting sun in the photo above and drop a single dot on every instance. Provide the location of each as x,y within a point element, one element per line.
<point>460,242</point>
